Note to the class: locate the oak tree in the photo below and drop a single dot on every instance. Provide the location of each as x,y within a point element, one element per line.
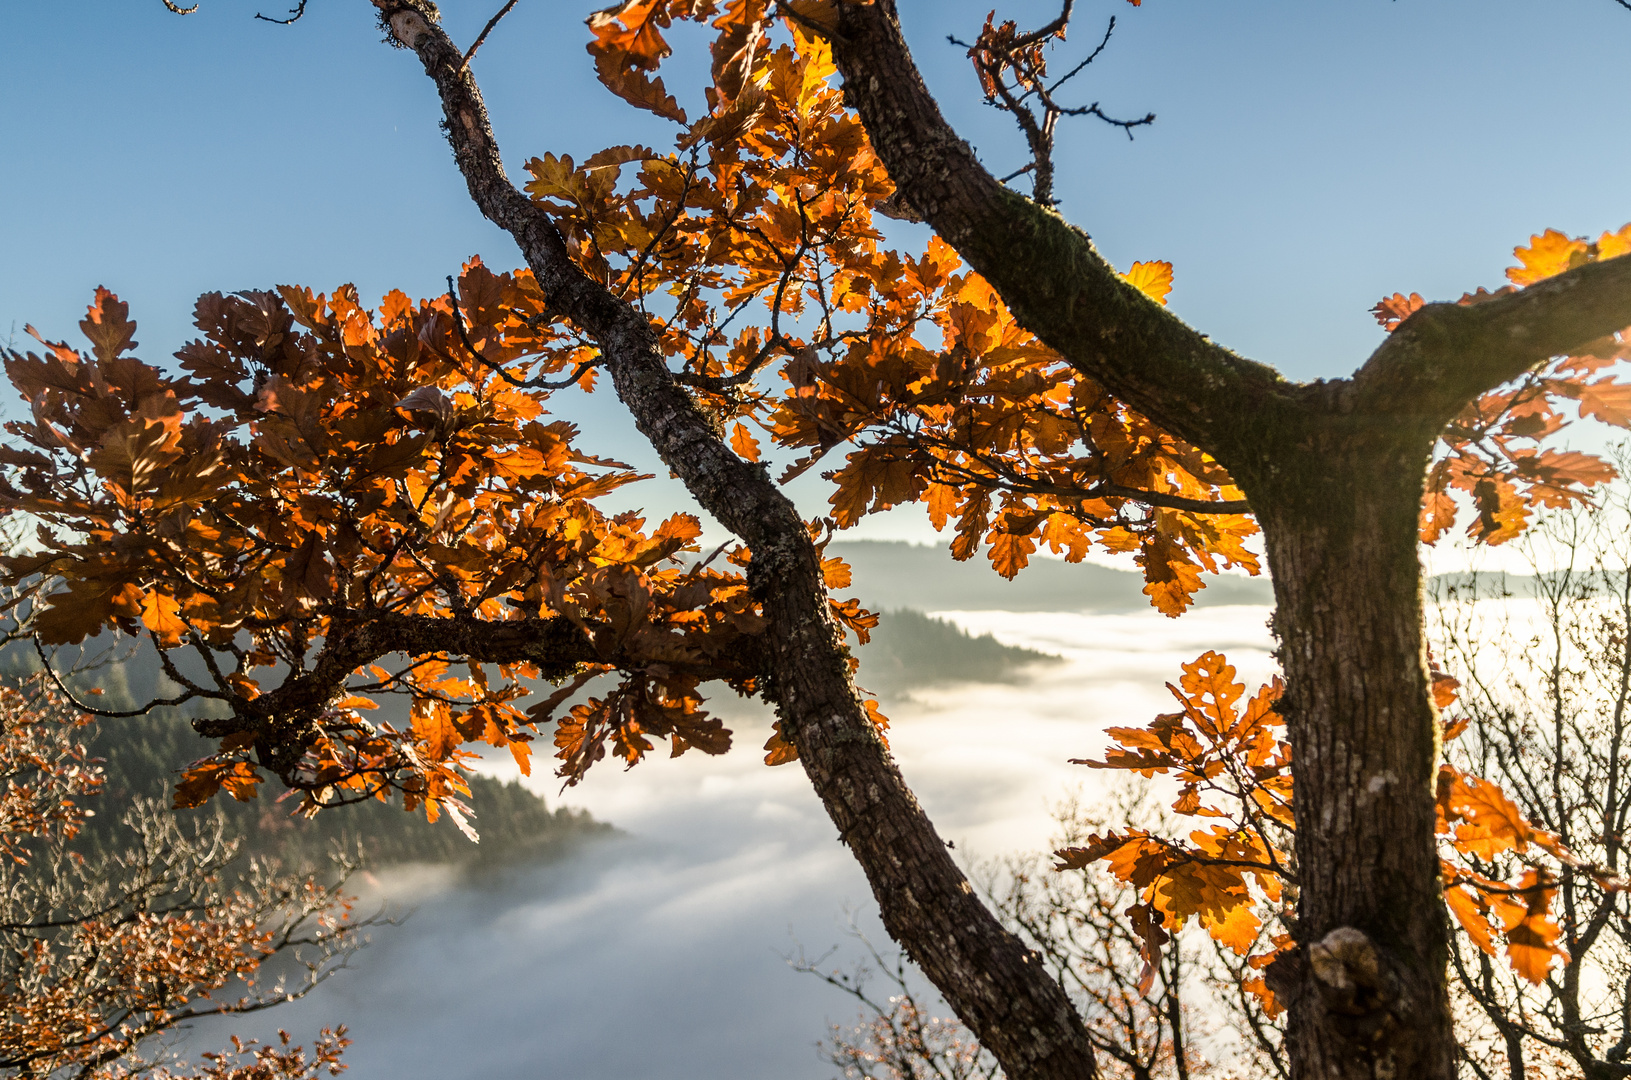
<point>330,503</point>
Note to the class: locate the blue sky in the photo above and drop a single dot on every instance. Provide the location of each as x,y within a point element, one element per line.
<point>1307,158</point>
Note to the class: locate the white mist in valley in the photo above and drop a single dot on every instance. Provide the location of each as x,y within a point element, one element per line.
<point>659,952</point>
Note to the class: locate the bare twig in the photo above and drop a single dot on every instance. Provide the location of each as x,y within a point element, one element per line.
<point>998,59</point>
<point>294,14</point>
<point>481,37</point>
<point>68,695</point>
<point>1057,26</point>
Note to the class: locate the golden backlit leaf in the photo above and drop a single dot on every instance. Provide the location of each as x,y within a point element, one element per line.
<point>1471,916</point>
<point>1236,929</point>
<point>1611,245</point>
<point>779,751</point>
<point>1010,553</point>
<point>1531,945</point>
<point>835,573</point>
<point>1390,311</point>
<point>1609,402</point>
<point>162,615</point>
<point>1153,279</point>
<point>108,326</point>
<point>434,727</point>
<point>638,89</point>
<point>1547,255</point>
<point>743,442</point>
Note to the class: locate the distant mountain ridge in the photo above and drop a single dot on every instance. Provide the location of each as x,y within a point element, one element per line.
<point>896,574</point>
<point>140,756</point>
<point>910,650</point>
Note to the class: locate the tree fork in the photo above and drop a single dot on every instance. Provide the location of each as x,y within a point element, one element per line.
<point>1335,472</point>
<point>994,983</point>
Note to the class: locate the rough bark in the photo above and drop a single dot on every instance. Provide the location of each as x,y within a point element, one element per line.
<point>1366,991</point>
<point>994,983</point>
<point>1335,472</point>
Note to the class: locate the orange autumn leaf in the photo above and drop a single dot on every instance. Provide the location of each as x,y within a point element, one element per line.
<point>1231,762</point>
<point>1531,944</point>
<point>1546,255</point>
<point>1390,311</point>
<point>1153,279</point>
<point>743,442</point>
<point>1611,245</point>
<point>161,614</point>
<point>1472,916</point>
<point>1607,401</point>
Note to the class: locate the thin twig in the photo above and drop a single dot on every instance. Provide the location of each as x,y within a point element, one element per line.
<point>68,695</point>
<point>1125,125</point>
<point>1092,56</point>
<point>481,37</point>
<point>1057,26</point>
<point>294,14</point>
<point>528,384</point>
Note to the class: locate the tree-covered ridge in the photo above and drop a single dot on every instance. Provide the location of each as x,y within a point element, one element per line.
<point>910,650</point>
<point>142,757</point>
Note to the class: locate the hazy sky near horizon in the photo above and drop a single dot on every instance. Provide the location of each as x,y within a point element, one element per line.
<point>1307,159</point>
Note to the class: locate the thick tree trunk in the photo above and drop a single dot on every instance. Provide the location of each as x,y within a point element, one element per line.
<point>1334,471</point>
<point>1366,990</point>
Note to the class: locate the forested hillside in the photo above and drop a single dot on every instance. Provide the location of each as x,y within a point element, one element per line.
<point>141,756</point>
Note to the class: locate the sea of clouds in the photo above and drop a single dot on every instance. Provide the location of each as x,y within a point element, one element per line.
<point>660,952</point>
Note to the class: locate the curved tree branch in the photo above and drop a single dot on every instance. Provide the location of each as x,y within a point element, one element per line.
<point>1058,286</point>
<point>1046,270</point>
<point>995,984</point>
<point>1445,355</point>
<point>283,720</point>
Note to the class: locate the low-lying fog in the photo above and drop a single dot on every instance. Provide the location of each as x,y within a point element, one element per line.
<point>658,953</point>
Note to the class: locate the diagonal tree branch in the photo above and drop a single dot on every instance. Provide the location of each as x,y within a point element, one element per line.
<point>993,982</point>
<point>1058,286</point>
<point>1445,355</point>
<point>1046,270</point>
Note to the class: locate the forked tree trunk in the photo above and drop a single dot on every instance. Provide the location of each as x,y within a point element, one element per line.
<point>1366,993</point>
<point>1334,472</point>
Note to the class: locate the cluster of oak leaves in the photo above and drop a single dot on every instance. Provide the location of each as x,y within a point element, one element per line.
<point>319,469</point>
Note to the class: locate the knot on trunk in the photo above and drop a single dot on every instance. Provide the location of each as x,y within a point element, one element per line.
<point>407,20</point>
<point>1351,982</point>
<point>1348,972</point>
